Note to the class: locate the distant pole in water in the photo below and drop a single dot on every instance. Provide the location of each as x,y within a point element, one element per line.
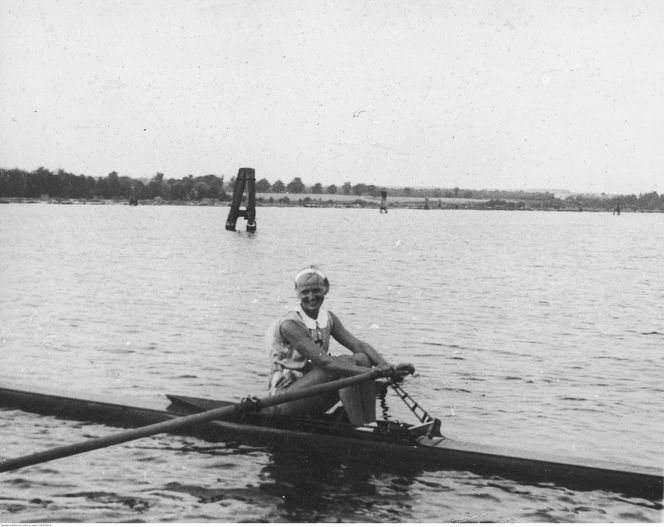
<point>383,202</point>
<point>132,196</point>
<point>245,177</point>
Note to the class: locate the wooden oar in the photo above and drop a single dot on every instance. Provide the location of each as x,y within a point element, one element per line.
<point>182,422</point>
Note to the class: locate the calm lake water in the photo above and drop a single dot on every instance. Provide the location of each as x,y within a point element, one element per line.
<point>541,331</point>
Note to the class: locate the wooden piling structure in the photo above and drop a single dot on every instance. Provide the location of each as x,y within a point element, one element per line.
<point>246,177</point>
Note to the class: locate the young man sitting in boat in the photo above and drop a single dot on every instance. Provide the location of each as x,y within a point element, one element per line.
<point>298,344</point>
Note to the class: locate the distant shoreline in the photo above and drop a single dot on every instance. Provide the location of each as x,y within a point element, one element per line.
<point>336,201</point>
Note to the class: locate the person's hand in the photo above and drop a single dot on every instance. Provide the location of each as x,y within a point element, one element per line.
<point>407,367</point>
<point>397,373</point>
<point>402,370</point>
<point>387,370</point>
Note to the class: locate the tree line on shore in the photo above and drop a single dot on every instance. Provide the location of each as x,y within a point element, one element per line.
<point>41,183</point>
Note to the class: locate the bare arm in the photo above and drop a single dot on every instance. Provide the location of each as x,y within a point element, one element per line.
<point>350,341</point>
<point>301,341</point>
<point>347,339</point>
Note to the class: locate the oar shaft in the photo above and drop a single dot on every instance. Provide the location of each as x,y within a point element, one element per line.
<point>181,422</point>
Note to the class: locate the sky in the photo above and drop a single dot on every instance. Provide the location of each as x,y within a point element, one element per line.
<point>560,95</point>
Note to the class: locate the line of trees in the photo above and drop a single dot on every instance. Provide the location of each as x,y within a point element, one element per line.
<point>647,201</point>
<point>40,183</point>
<point>61,184</point>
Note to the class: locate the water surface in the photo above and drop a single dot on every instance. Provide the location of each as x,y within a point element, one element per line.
<point>534,330</point>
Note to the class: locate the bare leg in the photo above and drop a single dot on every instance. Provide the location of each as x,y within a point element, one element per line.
<point>359,400</point>
<point>351,398</point>
<point>311,406</point>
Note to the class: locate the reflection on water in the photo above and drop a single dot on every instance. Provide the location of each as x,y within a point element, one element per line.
<point>329,488</point>
<point>541,331</point>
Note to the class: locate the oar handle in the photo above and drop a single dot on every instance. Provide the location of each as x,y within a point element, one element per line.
<point>181,422</point>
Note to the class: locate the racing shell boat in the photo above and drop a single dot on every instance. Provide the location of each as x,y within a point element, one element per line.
<point>392,442</point>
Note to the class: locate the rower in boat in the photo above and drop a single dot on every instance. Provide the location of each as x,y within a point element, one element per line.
<point>298,344</point>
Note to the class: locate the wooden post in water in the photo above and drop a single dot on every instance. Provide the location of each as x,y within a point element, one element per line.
<point>251,200</point>
<point>133,200</point>
<point>383,202</point>
<point>245,177</point>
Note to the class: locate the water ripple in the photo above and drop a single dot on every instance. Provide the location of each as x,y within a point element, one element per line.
<point>518,324</point>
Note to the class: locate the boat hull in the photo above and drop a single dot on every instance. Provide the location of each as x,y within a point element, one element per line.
<point>425,452</point>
